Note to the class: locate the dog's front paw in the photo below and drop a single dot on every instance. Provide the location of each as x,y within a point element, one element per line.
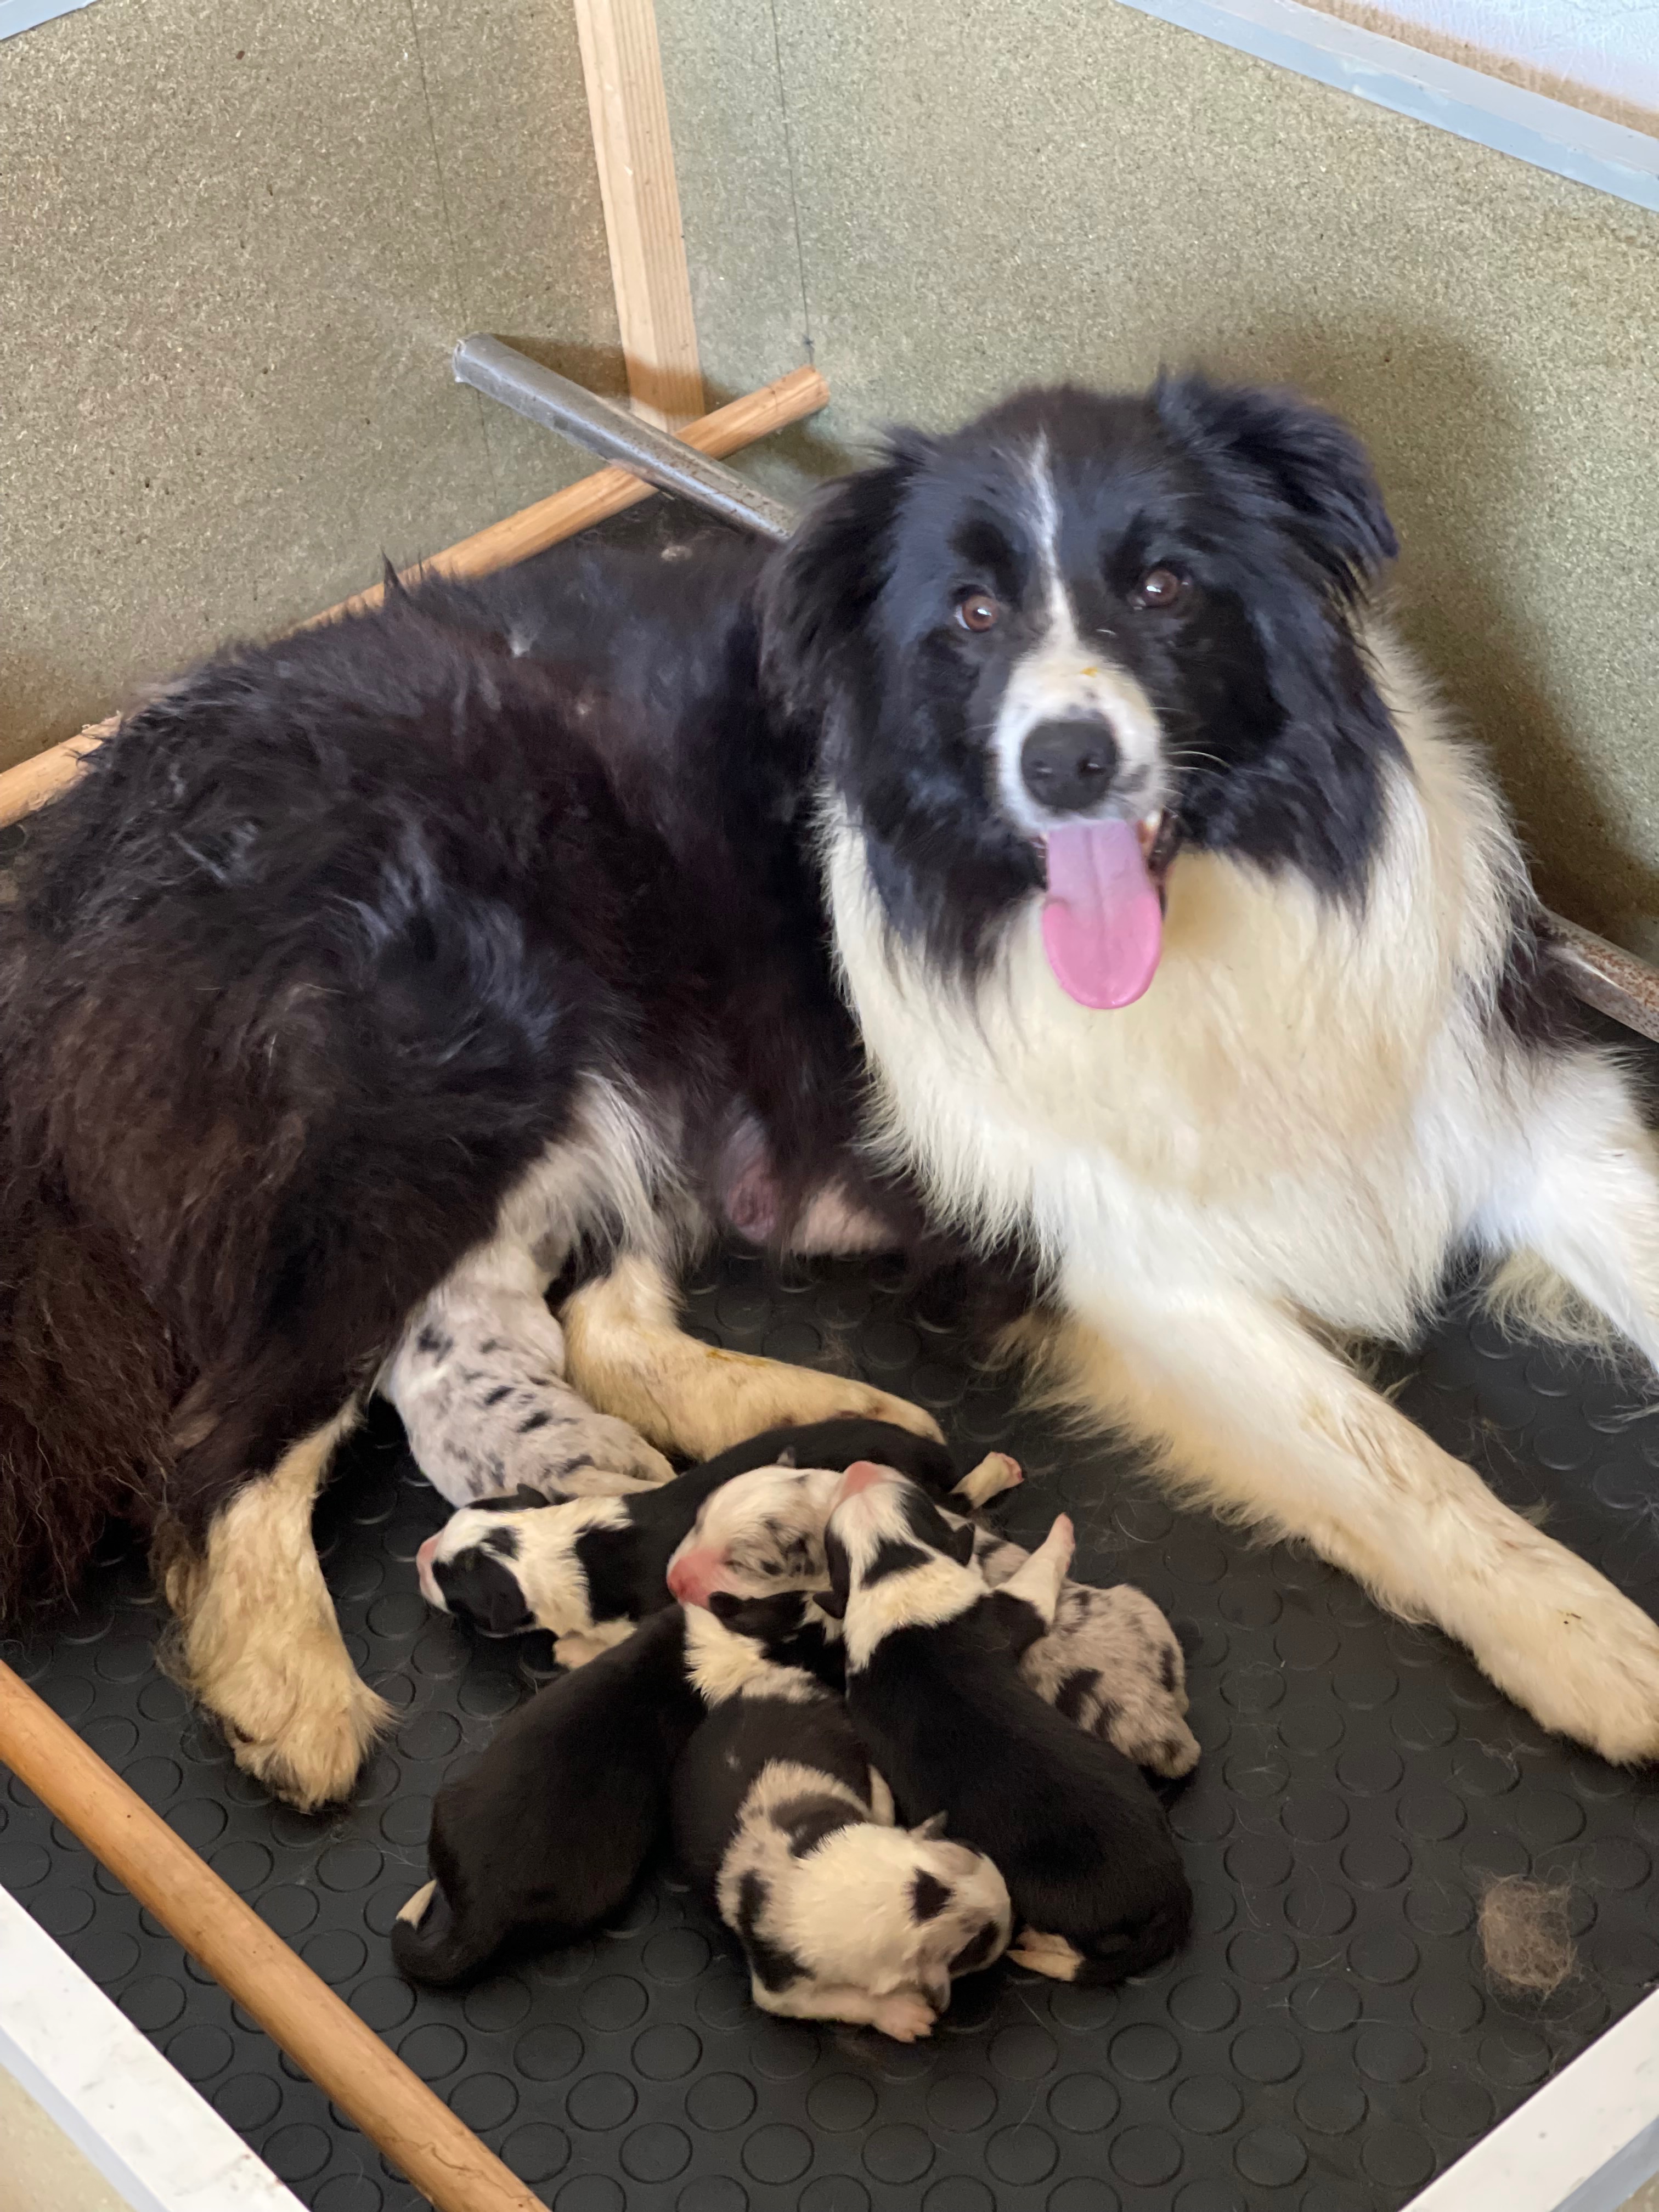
<point>1560,1640</point>
<point>314,1758</point>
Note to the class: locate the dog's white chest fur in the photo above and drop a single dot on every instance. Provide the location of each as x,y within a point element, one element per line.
<point>1303,1104</point>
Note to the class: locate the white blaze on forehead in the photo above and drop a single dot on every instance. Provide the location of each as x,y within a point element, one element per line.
<point>1062,677</point>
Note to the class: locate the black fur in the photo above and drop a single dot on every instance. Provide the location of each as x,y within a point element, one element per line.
<point>1081,1841</point>
<point>548,1834</point>
<point>725,1757</point>
<point>478,1586</point>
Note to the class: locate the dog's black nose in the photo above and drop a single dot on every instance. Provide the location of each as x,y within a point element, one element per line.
<point>1069,766</point>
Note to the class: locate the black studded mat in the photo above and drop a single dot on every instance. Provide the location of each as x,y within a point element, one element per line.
<point>1328,2042</point>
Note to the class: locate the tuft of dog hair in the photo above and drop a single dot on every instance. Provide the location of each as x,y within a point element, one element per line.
<point>1525,1938</point>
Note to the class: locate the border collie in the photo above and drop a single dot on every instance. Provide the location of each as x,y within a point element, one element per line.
<point>935,1692</point>
<point>784,1830</point>
<point>1058,775</point>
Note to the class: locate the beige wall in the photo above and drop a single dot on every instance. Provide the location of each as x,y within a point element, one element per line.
<point>237,239</point>
<point>951,195</point>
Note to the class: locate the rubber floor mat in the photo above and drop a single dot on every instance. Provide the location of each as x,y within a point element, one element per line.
<point>1328,2041</point>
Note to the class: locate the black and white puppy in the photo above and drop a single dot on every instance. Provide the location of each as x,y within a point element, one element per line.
<point>547,1836</point>
<point>935,1692</point>
<point>587,1568</point>
<point>784,1830</point>
<point>1109,1660</point>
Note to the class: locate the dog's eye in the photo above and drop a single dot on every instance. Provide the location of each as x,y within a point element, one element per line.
<point>977,610</point>
<point>1158,587</point>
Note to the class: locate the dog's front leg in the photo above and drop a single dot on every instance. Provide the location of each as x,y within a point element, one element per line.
<point>1249,1412</point>
<point>625,1351</point>
<point>257,1640</point>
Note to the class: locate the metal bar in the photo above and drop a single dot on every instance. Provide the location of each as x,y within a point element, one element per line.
<point>501,373</point>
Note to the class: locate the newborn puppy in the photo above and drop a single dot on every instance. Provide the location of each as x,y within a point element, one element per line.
<point>547,1836</point>
<point>587,1569</point>
<point>783,1828</point>
<point>935,1692</point>
<point>1111,1663</point>
<point>765,1532</point>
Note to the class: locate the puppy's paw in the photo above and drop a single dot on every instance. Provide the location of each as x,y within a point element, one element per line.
<point>906,2016</point>
<point>996,1472</point>
<point>1052,1955</point>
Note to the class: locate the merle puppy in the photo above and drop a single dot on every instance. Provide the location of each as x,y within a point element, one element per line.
<point>787,1833</point>
<point>547,1836</point>
<point>586,1568</point>
<point>935,1692</point>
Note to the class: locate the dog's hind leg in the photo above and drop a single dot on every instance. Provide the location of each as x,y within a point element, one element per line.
<point>626,1352</point>
<point>1249,1412</point>
<point>257,1639</point>
<point>1575,1201</point>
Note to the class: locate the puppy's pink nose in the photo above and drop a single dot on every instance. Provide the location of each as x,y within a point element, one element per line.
<point>428,1581</point>
<point>862,1474</point>
<point>694,1576</point>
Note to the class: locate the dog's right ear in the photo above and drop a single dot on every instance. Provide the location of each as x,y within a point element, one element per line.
<point>822,586</point>
<point>834,1600</point>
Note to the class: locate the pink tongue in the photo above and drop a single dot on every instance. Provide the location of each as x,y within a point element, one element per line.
<point>1102,927</point>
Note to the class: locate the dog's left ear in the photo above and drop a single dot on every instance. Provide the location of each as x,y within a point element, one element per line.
<point>822,586</point>
<point>961,1544</point>
<point>1310,469</point>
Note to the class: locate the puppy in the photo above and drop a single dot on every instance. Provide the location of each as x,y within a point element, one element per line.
<point>782,1827</point>
<point>547,1836</point>
<point>587,1568</point>
<point>1109,1660</point>
<point>935,1692</point>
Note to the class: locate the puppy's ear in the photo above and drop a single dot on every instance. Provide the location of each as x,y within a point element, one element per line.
<point>1294,464</point>
<point>834,1600</point>
<point>822,586</point>
<point>932,1828</point>
<point>959,1543</point>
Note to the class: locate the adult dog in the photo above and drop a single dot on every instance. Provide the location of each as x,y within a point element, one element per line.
<point>422,957</point>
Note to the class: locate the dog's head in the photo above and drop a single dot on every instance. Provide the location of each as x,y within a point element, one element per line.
<point>756,1536</point>
<point>507,1567</point>
<point>1056,647</point>
<point>894,1560</point>
<point>828,1895</point>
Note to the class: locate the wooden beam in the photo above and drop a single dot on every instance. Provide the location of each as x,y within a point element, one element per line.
<point>727,430</point>
<point>298,2010</point>
<point>627,108</point>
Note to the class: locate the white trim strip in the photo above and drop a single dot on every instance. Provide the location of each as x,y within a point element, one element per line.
<point>159,2145</point>
<point>1583,2143</point>
<point>1549,133</point>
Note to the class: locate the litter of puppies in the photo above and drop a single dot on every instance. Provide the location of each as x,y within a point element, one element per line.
<point>888,1745</point>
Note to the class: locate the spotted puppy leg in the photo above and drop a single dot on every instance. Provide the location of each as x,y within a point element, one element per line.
<point>1112,1664</point>
<point>479,1381</point>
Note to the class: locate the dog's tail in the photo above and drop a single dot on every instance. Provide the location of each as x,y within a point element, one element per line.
<point>429,1944</point>
<point>86,1381</point>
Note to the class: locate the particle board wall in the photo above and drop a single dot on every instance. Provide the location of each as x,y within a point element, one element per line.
<point>238,241</point>
<point>943,197</point>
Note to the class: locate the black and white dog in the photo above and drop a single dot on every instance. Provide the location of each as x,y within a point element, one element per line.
<point>585,1569</point>
<point>1056,774</point>
<point>784,1830</point>
<point>935,1692</point>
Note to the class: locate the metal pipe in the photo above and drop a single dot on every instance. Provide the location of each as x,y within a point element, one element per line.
<point>539,394</point>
